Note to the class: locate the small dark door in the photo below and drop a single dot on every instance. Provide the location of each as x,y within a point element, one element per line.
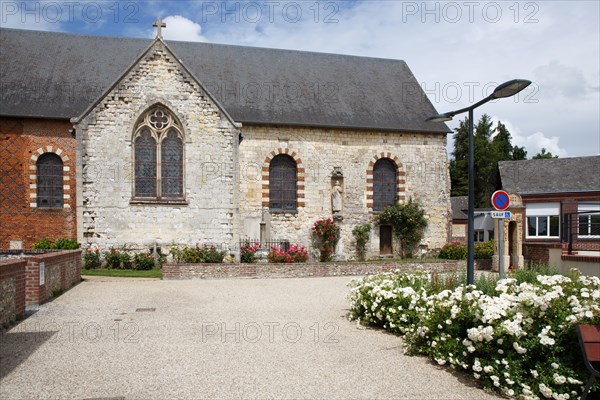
<point>385,240</point>
<point>512,242</point>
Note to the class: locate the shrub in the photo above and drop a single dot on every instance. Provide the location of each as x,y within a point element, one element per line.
<point>59,244</point>
<point>91,259</point>
<point>113,258</point>
<point>361,235</point>
<point>126,261</point>
<point>458,251</point>
<point>454,251</point>
<point>248,252</point>
<point>143,261</point>
<point>299,254</point>
<point>205,254</point>
<point>325,235</point>
<point>295,254</point>
<point>498,336</point>
<point>44,244</point>
<point>484,250</point>
<point>408,223</point>
<point>65,244</point>
<point>278,255</point>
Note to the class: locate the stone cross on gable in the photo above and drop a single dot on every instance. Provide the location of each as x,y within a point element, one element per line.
<point>159,24</point>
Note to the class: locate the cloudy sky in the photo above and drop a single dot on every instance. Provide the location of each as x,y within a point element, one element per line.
<point>459,51</point>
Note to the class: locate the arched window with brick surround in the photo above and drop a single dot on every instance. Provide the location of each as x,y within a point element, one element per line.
<point>49,181</point>
<point>283,178</point>
<point>385,188</point>
<point>158,157</point>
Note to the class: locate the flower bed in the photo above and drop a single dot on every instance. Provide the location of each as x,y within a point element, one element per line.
<point>516,337</point>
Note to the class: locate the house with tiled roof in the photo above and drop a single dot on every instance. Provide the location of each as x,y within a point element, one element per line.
<point>556,212</point>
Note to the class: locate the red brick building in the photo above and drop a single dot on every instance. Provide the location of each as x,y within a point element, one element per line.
<point>558,210</point>
<point>37,182</point>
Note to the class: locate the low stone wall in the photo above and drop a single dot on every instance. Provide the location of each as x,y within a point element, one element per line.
<point>50,273</point>
<point>12,290</point>
<point>220,271</point>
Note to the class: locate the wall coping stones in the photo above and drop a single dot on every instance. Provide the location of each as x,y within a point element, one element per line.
<point>266,271</point>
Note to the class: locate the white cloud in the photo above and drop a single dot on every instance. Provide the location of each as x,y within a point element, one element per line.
<point>534,142</point>
<point>557,79</point>
<point>36,16</point>
<point>183,29</point>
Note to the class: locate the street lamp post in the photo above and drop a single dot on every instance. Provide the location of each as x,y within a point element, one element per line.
<point>507,89</point>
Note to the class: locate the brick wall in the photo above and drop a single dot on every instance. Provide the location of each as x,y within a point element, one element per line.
<point>12,290</point>
<point>22,142</point>
<point>538,253</point>
<point>219,271</point>
<point>62,271</point>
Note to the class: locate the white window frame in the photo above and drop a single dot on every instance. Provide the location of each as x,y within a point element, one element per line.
<point>582,208</point>
<point>542,210</point>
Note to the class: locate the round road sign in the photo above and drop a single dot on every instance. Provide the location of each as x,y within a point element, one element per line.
<point>500,200</point>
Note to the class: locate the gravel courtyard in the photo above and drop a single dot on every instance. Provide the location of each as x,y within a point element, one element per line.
<point>110,338</point>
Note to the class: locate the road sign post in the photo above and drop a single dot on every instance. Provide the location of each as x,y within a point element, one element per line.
<point>501,201</point>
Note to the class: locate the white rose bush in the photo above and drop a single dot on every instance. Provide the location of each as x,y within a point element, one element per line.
<point>517,338</point>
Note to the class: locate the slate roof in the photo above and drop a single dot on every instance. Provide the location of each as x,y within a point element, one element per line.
<point>460,207</point>
<point>556,175</point>
<point>58,75</point>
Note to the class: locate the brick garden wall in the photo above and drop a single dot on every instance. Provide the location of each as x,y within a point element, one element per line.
<point>62,271</point>
<point>22,142</point>
<point>219,271</point>
<point>12,290</point>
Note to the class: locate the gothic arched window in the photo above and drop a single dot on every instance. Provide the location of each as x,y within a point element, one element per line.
<point>49,181</point>
<point>158,159</point>
<point>385,186</point>
<point>283,183</point>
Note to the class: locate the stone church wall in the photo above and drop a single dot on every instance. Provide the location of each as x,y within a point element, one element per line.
<point>423,170</point>
<point>22,142</point>
<point>107,215</point>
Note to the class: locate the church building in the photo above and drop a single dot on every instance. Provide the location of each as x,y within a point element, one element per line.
<point>119,141</point>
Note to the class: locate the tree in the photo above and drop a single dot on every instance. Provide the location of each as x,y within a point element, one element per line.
<point>519,153</point>
<point>491,145</point>
<point>543,155</point>
<point>408,223</point>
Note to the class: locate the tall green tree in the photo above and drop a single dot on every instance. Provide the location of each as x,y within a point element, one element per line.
<point>491,145</point>
<point>543,155</point>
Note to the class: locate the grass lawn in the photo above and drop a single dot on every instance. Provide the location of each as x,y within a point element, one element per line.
<point>125,273</point>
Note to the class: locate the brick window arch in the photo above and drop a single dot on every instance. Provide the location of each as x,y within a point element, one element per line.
<point>49,184</point>
<point>385,181</point>
<point>158,157</point>
<point>281,192</point>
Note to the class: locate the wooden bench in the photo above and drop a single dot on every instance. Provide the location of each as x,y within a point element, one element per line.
<point>589,340</point>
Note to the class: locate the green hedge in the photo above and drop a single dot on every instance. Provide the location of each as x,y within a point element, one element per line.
<point>458,251</point>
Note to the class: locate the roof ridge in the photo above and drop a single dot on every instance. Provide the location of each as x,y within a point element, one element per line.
<point>276,49</point>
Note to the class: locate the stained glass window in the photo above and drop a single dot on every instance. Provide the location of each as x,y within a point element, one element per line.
<point>50,181</point>
<point>145,165</point>
<point>385,188</point>
<point>172,165</point>
<point>158,149</point>
<point>282,183</point>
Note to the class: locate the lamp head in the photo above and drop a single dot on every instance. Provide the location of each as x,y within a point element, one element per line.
<point>441,117</point>
<point>510,88</point>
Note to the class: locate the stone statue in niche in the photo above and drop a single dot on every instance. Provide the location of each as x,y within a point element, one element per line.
<point>336,197</point>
